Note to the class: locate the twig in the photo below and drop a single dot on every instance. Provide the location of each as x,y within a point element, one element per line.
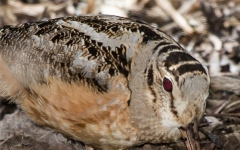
<point>177,17</point>
<point>214,60</point>
<point>222,115</point>
<point>6,140</point>
<point>196,135</point>
<point>220,108</point>
<point>225,84</point>
<point>190,135</point>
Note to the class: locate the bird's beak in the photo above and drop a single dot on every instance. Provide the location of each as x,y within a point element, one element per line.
<point>190,135</point>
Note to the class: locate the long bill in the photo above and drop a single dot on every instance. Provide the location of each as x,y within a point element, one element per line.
<point>190,135</point>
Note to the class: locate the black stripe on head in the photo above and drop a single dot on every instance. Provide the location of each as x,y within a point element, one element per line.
<point>167,48</point>
<point>176,57</point>
<point>173,108</point>
<point>150,75</point>
<point>161,44</point>
<point>190,68</point>
<point>154,94</point>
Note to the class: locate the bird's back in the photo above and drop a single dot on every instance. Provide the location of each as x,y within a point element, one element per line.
<point>91,48</point>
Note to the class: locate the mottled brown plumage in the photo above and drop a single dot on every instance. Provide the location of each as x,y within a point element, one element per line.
<point>107,81</point>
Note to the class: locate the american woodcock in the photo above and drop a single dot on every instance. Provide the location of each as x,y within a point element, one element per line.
<point>107,81</point>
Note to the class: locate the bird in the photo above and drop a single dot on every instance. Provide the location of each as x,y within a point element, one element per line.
<point>110,82</point>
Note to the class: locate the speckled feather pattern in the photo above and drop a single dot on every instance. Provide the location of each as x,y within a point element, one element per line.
<point>99,79</point>
<point>76,47</point>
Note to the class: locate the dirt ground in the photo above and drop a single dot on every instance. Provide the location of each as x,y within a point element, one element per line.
<point>208,29</point>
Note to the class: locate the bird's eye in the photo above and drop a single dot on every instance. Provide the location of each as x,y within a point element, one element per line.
<point>167,84</point>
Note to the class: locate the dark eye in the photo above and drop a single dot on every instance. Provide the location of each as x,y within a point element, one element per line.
<point>167,84</point>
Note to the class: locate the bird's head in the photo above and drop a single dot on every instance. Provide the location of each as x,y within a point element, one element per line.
<point>169,93</point>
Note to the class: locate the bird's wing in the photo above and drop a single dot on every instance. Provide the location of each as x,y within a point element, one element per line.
<point>82,48</point>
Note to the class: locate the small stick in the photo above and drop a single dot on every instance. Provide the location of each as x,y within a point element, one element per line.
<point>221,115</point>
<point>177,17</point>
<point>190,135</point>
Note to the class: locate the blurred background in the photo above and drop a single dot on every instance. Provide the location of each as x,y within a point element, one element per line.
<point>208,29</point>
